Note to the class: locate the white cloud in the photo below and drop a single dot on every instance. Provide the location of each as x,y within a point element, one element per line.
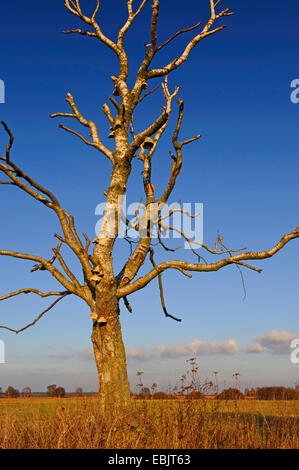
<point>256,348</point>
<point>196,346</point>
<point>275,342</point>
<point>84,355</point>
<point>138,354</point>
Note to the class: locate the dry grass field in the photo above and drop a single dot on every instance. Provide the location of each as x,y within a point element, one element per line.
<point>77,423</point>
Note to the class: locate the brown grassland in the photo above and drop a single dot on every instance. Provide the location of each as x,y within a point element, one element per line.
<point>78,423</point>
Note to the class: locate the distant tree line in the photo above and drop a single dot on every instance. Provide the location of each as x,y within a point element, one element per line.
<point>273,393</point>
<point>259,393</point>
<point>52,391</point>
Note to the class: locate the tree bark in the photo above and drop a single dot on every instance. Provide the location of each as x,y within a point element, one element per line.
<point>110,356</point>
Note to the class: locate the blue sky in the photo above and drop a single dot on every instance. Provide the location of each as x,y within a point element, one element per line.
<point>236,88</point>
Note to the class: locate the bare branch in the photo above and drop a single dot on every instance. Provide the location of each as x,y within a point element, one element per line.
<point>10,143</point>
<point>163,244</point>
<point>38,318</point>
<point>96,10</point>
<point>207,31</point>
<point>239,263</point>
<point>131,18</point>
<point>155,16</point>
<point>66,269</point>
<point>127,304</point>
<point>60,238</point>
<point>191,242</point>
<point>188,240</point>
<point>76,238</point>
<point>143,281</point>
<point>148,94</point>
<point>160,121</point>
<point>47,265</point>
<point>78,135</point>
<point>33,291</point>
<point>94,133</point>
<point>41,266</point>
<point>167,315</point>
<point>178,160</point>
<point>106,110</point>
<point>79,31</point>
<point>87,242</point>
<point>115,103</point>
<point>138,257</point>
<point>214,252</point>
<point>182,211</point>
<point>76,10</point>
<point>14,173</point>
<point>186,30</point>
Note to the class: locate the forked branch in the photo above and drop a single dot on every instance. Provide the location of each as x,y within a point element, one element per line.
<point>75,9</point>
<point>94,133</point>
<point>178,61</point>
<point>38,192</point>
<point>178,159</point>
<point>37,318</point>
<point>160,121</point>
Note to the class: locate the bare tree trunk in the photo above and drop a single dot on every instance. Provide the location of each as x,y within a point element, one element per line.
<point>110,354</point>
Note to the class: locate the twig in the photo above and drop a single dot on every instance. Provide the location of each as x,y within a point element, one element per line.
<point>127,304</point>
<point>11,141</point>
<point>167,315</point>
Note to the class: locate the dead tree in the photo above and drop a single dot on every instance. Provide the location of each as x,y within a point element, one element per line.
<point>99,286</point>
